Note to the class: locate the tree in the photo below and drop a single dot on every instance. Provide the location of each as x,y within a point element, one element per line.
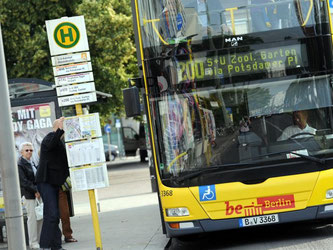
<point>112,47</point>
<point>110,36</point>
<point>25,41</point>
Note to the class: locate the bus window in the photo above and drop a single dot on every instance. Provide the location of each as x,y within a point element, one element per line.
<point>129,133</point>
<point>170,22</point>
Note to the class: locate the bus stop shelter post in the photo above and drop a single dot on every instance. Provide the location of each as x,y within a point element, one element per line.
<point>8,165</point>
<point>94,215</point>
<point>92,199</point>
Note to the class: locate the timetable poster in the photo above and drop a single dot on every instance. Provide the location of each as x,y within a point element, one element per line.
<point>89,177</point>
<point>81,127</point>
<point>85,152</point>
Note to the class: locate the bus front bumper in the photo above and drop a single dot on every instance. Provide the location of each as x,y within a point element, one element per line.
<point>201,226</point>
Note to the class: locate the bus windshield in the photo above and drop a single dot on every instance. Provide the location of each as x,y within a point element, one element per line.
<point>245,123</point>
<point>167,22</point>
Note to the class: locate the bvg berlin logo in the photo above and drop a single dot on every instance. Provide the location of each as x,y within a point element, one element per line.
<point>261,205</point>
<point>66,35</point>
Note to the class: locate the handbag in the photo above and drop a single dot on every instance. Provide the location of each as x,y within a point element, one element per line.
<point>67,185</point>
<point>39,209</point>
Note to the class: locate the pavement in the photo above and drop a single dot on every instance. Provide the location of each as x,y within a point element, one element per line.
<point>126,223</point>
<point>129,215</point>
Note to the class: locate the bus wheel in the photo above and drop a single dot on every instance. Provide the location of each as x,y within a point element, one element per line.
<point>187,242</point>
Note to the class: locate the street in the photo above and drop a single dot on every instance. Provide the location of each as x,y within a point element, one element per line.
<point>129,219</point>
<point>129,181</point>
<point>129,216</point>
<point>129,201</point>
<point>287,237</point>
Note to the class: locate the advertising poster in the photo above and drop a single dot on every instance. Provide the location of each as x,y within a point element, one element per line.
<point>31,123</point>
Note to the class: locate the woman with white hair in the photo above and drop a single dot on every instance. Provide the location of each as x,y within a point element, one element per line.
<point>27,173</point>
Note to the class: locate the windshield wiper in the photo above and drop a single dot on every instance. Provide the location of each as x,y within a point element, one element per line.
<point>305,157</point>
<point>207,170</point>
<point>310,158</point>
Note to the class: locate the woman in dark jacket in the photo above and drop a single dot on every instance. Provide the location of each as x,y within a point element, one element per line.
<point>52,173</point>
<point>27,173</point>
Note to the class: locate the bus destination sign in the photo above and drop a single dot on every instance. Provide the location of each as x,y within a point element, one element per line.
<point>235,64</point>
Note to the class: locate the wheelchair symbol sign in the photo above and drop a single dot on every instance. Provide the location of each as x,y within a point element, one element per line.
<point>207,193</point>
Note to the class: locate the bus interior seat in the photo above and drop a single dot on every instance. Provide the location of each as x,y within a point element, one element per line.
<point>249,146</point>
<point>257,127</point>
<point>275,125</point>
<point>316,121</point>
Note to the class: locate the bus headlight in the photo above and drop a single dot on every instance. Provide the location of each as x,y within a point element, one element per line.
<point>329,194</point>
<point>176,212</point>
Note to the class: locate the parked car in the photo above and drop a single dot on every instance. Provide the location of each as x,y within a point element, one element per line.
<point>133,141</point>
<point>114,152</point>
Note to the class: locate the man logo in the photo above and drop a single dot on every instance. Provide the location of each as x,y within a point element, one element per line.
<point>234,40</point>
<point>66,35</point>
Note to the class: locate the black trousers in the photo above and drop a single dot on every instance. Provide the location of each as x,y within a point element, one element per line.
<point>51,235</point>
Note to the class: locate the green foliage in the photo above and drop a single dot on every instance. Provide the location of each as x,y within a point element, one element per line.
<point>111,47</point>
<point>122,6</point>
<point>110,36</point>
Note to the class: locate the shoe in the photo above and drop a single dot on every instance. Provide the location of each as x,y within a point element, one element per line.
<point>34,246</point>
<point>70,240</point>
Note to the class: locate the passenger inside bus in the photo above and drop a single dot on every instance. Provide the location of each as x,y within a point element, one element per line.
<point>244,125</point>
<point>299,129</point>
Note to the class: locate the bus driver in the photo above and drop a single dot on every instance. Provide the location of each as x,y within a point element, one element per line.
<point>300,127</point>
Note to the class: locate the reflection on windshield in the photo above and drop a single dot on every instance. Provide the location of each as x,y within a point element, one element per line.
<point>238,124</point>
<point>171,21</point>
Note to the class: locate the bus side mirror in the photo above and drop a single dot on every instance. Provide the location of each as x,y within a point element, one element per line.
<point>132,101</point>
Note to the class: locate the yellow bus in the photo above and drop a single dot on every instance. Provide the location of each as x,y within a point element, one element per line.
<point>239,103</point>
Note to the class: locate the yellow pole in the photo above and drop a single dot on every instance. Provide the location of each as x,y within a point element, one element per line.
<point>78,108</point>
<point>92,199</point>
<point>97,230</point>
<point>232,19</point>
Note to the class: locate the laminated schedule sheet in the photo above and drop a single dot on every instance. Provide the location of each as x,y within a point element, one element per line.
<point>89,177</point>
<point>85,152</point>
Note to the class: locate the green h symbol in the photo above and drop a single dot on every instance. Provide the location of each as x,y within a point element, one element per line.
<point>69,34</point>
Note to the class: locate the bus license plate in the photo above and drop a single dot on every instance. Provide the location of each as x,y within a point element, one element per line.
<point>258,220</point>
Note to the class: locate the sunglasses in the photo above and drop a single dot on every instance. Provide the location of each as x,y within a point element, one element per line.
<point>29,150</point>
